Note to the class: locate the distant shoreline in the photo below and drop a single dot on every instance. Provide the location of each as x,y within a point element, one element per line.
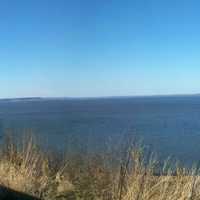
<point>100,97</point>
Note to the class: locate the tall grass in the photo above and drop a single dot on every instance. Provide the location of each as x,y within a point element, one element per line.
<point>25,167</point>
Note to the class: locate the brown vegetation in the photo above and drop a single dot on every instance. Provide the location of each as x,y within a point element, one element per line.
<point>26,168</point>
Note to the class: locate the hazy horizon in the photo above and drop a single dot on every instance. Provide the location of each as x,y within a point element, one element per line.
<point>113,96</point>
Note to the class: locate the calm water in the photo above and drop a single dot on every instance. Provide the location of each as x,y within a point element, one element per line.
<point>170,125</point>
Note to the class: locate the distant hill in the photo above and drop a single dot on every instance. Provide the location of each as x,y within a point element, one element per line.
<point>22,99</point>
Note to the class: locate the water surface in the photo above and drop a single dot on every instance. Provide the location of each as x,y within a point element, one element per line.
<point>170,125</point>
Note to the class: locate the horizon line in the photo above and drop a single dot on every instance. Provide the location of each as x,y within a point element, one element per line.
<point>97,97</point>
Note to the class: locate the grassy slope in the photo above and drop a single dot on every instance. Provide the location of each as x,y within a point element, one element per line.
<point>26,168</point>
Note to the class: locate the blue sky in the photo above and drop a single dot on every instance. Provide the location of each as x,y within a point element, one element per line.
<point>99,48</point>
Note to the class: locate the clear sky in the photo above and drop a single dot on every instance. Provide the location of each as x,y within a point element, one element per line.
<point>99,47</point>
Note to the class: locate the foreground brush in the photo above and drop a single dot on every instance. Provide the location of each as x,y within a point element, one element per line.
<point>38,174</point>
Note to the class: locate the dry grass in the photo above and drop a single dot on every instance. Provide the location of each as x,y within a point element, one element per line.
<point>171,184</point>
<point>25,167</point>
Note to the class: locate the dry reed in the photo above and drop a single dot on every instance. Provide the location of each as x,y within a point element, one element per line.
<point>25,167</point>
